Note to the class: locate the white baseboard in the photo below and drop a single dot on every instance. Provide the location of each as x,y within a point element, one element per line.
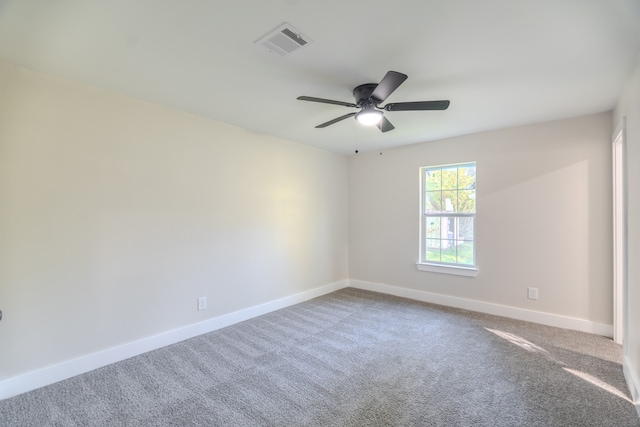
<point>632,383</point>
<point>32,380</point>
<point>489,308</point>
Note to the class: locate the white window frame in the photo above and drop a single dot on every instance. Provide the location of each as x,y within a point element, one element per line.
<point>443,267</point>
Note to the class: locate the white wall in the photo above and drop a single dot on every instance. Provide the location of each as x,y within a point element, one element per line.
<point>543,217</point>
<point>629,107</point>
<point>116,215</point>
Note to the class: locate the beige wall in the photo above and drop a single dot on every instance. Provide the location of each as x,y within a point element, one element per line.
<point>629,107</point>
<point>543,217</point>
<point>116,215</point>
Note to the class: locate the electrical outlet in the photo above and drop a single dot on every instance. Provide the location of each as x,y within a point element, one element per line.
<point>202,303</point>
<point>532,293</point>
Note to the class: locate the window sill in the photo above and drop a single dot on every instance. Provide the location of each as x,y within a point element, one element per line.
<point>448,269</point>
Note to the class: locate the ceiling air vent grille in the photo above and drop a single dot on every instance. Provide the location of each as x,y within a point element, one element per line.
<point>295,37</point>
<point>285,39</point>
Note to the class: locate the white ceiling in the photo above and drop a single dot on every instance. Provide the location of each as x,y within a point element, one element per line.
<point>500,62</point>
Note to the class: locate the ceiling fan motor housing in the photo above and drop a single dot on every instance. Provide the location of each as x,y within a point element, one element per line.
<point>362,94</point>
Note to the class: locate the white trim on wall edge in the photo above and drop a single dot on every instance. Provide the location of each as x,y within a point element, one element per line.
<point>632,383</point>
<point>32,380</point>
<point>489,308</point>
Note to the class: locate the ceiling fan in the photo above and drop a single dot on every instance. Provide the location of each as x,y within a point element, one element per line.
<point>368,98</point>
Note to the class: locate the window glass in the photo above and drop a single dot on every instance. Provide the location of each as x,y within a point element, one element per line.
<point>449,213</point>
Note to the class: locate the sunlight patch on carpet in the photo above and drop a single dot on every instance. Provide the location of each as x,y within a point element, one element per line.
<point>599,383</point>
<point>519,341</point>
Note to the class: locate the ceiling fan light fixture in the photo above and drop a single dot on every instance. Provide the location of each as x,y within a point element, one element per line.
<point>369,117</point>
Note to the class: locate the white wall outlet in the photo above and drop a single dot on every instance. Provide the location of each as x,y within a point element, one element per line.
<point>532,293</point>
<point>202,303</point>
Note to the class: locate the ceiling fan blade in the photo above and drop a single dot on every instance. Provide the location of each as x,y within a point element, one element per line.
<point>385,125</point>
<point>419,105</point>
<point>336,120</point>
<point>326,101</point>
<point>387,85</point>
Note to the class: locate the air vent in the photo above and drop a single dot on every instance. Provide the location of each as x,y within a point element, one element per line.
<point>285,39</point>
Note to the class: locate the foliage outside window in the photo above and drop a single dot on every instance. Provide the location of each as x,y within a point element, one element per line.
<point>448,215</point>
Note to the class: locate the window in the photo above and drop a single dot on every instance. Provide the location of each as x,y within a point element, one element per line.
<point>448,210</point>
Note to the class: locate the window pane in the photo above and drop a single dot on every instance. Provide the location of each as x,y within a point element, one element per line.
<point>450,178</point>
<point>467,177</point>
<point>432,250</point>
<point>466,201</point>
<point>465,229</point>
<point>445,229</point>
<point>433,201</point>
<point>449,200</point>
<point>439,227</point>
<point>433,227</point>
<point>448,251</point>
<point>465,252</point>
<point>432,180</point>
<point>448,227</point>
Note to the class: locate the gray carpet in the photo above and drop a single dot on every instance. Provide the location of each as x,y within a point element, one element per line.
<point>351,358</point>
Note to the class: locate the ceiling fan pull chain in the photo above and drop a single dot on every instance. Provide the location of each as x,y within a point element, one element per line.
<point>356,125</point>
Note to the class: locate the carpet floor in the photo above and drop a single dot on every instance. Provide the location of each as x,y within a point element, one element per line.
<point>351,358</point>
